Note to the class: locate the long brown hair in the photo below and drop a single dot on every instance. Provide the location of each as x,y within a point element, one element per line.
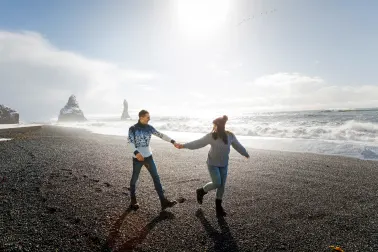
<point>221,129</point>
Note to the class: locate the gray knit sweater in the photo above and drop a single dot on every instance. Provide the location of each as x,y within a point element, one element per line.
<point>219,151</point>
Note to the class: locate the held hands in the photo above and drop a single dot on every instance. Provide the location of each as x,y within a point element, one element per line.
<point>178,146</point>
<point>139,157</point>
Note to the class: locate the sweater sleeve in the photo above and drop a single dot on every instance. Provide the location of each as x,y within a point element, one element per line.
<point>200,143</point>
<point>238,147</point>
<point>161,135</point>
<point>131,142</point>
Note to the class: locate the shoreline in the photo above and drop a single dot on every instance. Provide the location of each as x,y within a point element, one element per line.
<point>18,129</point>
<point>250,142</point>
<point>6,132</point>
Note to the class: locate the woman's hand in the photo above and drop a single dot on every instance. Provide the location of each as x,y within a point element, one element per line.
<point>178,146</point>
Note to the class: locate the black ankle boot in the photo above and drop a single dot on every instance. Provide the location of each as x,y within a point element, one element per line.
<point>219,209</point>
<point>133,203</point>
<point>165,203</point>
<point>200,193</point>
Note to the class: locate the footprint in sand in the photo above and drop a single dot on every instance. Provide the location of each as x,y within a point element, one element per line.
<point>52,210</point>
<point>181,200</point>
<point>3,179</point>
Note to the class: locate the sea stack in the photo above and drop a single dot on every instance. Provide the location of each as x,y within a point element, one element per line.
<point>8,115</point>
<point>125,113</point>
<point>71,112</point>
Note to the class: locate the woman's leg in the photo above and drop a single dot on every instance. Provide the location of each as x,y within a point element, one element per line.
<point>220,191</point>
<point>215,179</point>
<point>215,183</point>
<point>223,176</point>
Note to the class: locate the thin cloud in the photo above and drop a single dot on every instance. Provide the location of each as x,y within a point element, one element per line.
<point>36,74</point>
<point>298,91</point>
<point>295,91</point>
<point>147,87</point>
<point>197,95</point>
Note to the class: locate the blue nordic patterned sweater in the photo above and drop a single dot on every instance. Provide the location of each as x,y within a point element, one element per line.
<point>139,138</point>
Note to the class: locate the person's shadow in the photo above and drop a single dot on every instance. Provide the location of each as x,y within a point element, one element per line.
<point>223,241</point>
<point>129,245</point>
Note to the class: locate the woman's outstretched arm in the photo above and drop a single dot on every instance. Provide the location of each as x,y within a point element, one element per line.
<point>197,144</point>
<point>238,147</point>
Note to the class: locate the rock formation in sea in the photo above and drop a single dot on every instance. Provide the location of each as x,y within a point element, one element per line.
<point>125,113</point>
<point>71,112</point>
<point>8,115</point>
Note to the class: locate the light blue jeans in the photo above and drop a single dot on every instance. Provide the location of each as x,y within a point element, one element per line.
<point>218,180</point>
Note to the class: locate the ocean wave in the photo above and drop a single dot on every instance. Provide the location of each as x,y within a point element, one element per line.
<point>346,138</point>
<point>350,130</point>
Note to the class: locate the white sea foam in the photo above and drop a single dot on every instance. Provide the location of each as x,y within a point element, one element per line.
<point>351,133</point>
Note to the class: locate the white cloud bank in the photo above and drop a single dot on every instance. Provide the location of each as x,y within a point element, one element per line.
<point>37,78</point>
<point>297,91</point>
<point>286,92</point>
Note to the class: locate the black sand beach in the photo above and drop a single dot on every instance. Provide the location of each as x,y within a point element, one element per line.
<point>66,190</point>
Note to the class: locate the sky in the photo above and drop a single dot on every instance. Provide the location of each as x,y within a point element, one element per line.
<point>187,56</point>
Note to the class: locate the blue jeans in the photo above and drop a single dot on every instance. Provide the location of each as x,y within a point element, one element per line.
<point>151,167</point>
<point>218,176</point>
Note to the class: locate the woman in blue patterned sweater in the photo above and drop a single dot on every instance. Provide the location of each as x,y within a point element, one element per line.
<point>139,142</point>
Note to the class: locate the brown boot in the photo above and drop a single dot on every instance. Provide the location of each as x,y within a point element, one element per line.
<point>219,209</point>
<point>165,203</point>
<point>200,193</point>
<point>133,203</point>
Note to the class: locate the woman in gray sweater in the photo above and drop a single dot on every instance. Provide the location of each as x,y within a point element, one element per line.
<point>217,161</point>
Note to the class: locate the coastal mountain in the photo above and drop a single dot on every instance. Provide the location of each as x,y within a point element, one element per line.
<point>71,111</point>
<point>8,115</point>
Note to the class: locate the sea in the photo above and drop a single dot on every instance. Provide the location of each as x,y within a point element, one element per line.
<point>348,132</point>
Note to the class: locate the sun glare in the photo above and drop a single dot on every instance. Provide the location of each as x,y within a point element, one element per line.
<point>197,18</point>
